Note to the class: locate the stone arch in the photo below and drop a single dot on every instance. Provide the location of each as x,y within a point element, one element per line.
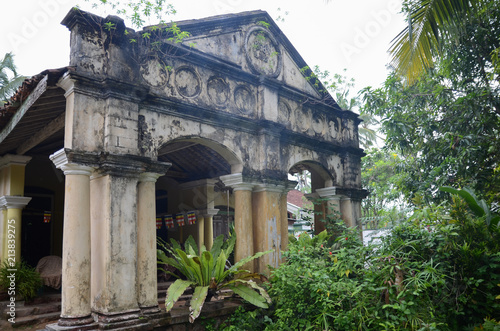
<point>224,151</point>
<point>320,175</point>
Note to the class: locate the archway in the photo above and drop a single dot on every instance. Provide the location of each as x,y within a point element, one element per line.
<point>311,176</point>
<point>190,190</point>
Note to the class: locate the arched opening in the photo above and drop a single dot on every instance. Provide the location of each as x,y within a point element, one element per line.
<point>187,195</point>
<point>304,207</point>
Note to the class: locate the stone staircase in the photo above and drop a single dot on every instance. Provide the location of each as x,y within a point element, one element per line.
<point>47,308</point>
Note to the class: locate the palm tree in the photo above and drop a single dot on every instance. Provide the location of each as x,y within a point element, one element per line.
<point>430,23</point>
<point>10,80</point>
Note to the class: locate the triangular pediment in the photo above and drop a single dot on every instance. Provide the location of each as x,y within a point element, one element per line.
<point>254,43</point>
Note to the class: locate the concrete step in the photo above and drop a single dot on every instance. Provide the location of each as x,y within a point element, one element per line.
<point>33,310</point>
<point>25,321</point>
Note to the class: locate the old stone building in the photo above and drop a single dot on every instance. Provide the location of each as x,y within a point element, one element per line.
<point>153,137</point>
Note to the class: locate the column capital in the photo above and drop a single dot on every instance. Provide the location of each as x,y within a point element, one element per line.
<point>60,160</point>
<point>330,193</point>
<point>237,182</point>
<point>67,84</point>
<point>265,187</point>
<point>14,159</point>
<point>149,177</point>
<point>207,212</point>
<point>16,202</point>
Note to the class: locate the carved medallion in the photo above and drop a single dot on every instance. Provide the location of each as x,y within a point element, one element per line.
<point>187,82</point>
<point>262,52</point>
<point>284,112</point>
<point>334,127</point>
<point>244,100</point>
<point>318,124</point>
<point>154,74</point>
<point>303,119</point>
<point>218,91</point>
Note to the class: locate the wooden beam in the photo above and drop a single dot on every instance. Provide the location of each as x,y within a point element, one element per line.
<point>54,126</point>
<point>30,100</point>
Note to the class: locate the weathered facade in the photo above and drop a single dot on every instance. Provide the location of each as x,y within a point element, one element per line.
<point>151,129</point>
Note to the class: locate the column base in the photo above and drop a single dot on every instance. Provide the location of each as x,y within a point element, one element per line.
<point>149,311</point>
<point>77,323</point>
<point>130,320</point>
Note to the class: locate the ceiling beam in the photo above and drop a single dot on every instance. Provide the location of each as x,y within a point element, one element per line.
<point>54,126</point>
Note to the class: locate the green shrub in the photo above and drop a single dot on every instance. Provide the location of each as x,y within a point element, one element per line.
<point>27,280</point>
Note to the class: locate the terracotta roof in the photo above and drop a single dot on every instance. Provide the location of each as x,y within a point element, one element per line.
<point>25,90</point>
<point>295,197</point>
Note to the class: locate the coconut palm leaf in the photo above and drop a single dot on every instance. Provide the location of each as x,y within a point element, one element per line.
<point>413,50</point>
<point>9,78</point>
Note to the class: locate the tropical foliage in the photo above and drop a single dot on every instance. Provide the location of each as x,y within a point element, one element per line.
<point>10,80</point>
<point>436,271</point>
<point>431,25</point>
<point>206,272</point>
<point>26,279</point>
<point>445,126</point>
<point>380,175</point>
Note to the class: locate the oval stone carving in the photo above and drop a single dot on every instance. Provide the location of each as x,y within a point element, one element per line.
<point>318,124</point>
<point>187,82</point>
<point>244,100</point>
<point>303,118</point>
<point>284,112</point>
<point>262,52</point>
<point>154,74</point>
<point>334,127</point>
<point>218,91</point>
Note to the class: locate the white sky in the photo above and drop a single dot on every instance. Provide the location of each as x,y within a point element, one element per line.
<point>335,34</point>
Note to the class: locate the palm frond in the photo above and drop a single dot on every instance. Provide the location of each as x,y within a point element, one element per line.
<point>414,49</point>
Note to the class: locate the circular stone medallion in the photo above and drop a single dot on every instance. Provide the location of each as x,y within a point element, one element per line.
<point>218,91</point>
<point>187,82</point>
<point>154,74</point>
<point>262,52</point>
<point>244,100</point>
<point>284,113</point>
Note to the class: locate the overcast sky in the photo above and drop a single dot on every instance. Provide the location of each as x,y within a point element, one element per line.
<point>335,34</point>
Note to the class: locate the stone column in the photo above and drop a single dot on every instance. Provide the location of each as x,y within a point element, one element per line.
<point>333,199</point>
<point>243,221</point>
<point>114,247</point>
<point>319,212</point>
<point>351,211</point>
<point>200,220</point>
<point>267,224</point>
<point>209,227</point>
<point>12,175</point>
<point>75,295</point>
<point>147,288</point>
<point>11,250</point>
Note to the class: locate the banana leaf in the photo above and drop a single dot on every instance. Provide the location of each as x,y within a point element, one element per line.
<point>175,291</point>
<point>197,301</point>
